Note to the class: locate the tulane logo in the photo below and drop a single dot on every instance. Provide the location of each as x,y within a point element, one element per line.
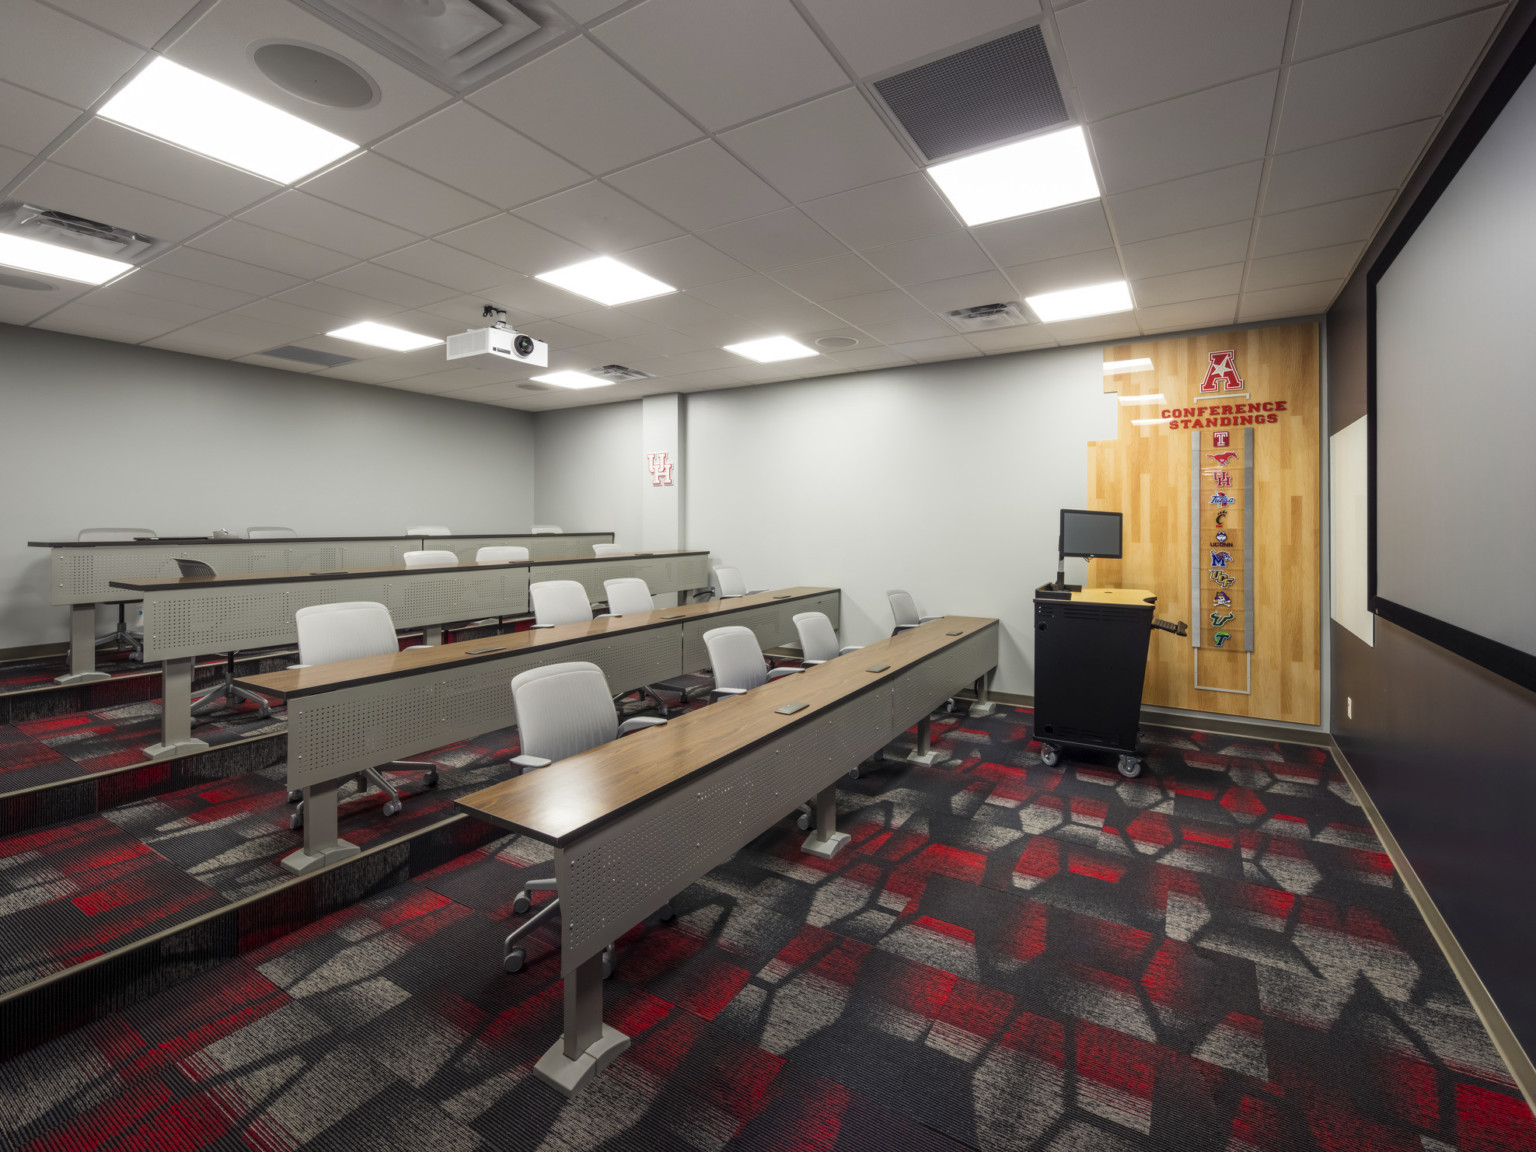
<point>1221,638</point>
<point>1222,498</point>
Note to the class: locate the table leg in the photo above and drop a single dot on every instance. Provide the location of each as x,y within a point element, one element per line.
<point>176,708</point>
<point>825,840</point>
<point>983,706</point>
<point>588,1045</point>
<point>925,753</point>
<point>432,634</point>
<point>322,845</point>
<point>82,647</point>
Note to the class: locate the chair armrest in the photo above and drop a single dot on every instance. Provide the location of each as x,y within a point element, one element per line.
<point>849,648</point>
<point>635,723</point>
<point>722,692</point>
<point>603,616</point>
<point>925,619</point>
<point>903,628</point>
<point>413,647</point>
<point>529,763</point>
<point>775,673</point>
<point>809,663</point>
<point>531,627</point>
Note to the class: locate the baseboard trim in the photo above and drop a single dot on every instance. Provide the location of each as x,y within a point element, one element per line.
<point>1504,1040</point>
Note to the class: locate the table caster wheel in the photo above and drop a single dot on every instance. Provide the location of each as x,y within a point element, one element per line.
<point>431,780</point>
<point>803,822</point>
<point>853,773</point>
<point>521,903</point>
<point>391,808</point>
<point>1050,756</point>
<point>667,912</point>
<point>1130,767</point>
<point>513,962</point>
<point>295,795</point>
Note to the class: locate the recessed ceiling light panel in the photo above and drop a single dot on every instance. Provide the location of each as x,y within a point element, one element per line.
<point>52,260</point>
<point>200,114</point>
<point>607,281</point>
<point>1075,303</point>
<point>772,349</point>
<point>570,379</point>
<point>384,336</point>
<point>1032,175</point>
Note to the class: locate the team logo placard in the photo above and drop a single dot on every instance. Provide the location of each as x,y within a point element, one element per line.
<point>1221,466</point>
<point>1222,498</point>
<point>1221,638</point>
<point>1220,618</point>
<point>1221,439</point>
<point>1220,559</point>
<point>1222,375</point>
<point>1221,538</point>
<point>1222,600</point>
<point>1222,458</point>
<point>1221,517</point>
<point>1225,579</point>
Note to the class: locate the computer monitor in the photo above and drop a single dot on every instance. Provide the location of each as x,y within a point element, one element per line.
<point>1087,534</point>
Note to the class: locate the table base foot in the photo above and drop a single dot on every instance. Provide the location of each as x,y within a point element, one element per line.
<point>81,677</point>
<point>166,751</point>
<point>304,861</point>
<point>983,708</point>
<point>828,847</point>
<point>929,758</point>
<point>569,1076</point>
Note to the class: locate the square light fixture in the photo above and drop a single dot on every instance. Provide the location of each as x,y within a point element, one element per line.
<point>384,336</point>
<point>200,114</point>
<point>1126,367</point>
<point>607,281</point>
<point>1075,303</point>
<point>1143,400</point>
<point>570,379</point>
<point>772,349</point>
<point>1031,175</point>
<point>54,260</point>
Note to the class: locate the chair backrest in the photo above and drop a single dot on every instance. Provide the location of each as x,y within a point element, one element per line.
<point>501,554</point>
<point>736,657</point>
<point>428,530</point>
<point>346,631</point>
<point>98,534</point>
<point>904,608</point>
<point>730,582</point>
<point>430,558</point>
<point>545,529</point>
<point>195,568</point>
<point>563,709</point>
<point>607,549</point>
<point>629,594</point>
<point>269,533</point>
<point>559,602</point>
<point>818,639</point>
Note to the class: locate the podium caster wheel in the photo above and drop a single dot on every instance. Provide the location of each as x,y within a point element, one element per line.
<point>513,962</point>
<point>521,903</point>
<point>295,795</point>
<point>1050,756</point>
<point>392,807</point>
<point>1130,767</point>
<point>608,962</point>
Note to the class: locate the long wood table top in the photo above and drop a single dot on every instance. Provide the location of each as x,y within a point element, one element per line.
<point>183,541</point>
<point>241,578</point>
<point>560,803</point>
<point>297,682</point>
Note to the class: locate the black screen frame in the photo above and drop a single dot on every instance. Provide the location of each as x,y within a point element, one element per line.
<point>1501,659</point>
<point>1061,540</point>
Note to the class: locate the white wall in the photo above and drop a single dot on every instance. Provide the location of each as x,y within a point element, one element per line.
<point>589,467</point>
<point>97,433</point>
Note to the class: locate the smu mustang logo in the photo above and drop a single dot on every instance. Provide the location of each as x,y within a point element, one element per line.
<point>1222,458</point>
<point>1222,498</point>
<point>1222,375</point>
<point>1221,559</point>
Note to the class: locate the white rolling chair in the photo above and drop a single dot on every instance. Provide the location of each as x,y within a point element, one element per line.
<point>545,529</point>
<point>501,554</point>
<point>731,585</point>
<point>607,550</point>
<point>626,596</point>
<point>348,631</point>
<point>904,610</point>
<point>122,636</point>
<point>431,558</point>
<point>226,690</point>
<point>559,602</point>
<point>818,640</point>
<point>270,533</point>
<point>427,530</point>
<point>562,710</point>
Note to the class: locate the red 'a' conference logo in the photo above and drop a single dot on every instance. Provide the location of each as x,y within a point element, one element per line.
<point>1222,375</point>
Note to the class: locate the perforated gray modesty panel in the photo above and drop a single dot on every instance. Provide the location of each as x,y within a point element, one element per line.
<point>923,688</point>
<point>539,547</point>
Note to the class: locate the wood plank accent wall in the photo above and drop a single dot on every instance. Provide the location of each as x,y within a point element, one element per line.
<point>1145,474</point>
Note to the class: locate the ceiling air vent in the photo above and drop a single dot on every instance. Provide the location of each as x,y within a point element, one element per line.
<point>309,356</point>
<point>534,387</point>
<point>68,231</point>
<point>984,95</point>
<point>619,372</point>
<point>457,43</point>
<point>1006,314</point>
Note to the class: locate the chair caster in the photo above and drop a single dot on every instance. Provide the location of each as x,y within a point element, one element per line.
<point>853,773</point>
<point>514,960</point>
<point>295,795</point>
<point>521,903</point>
<point>803,822</point>
<point>432,779</point>
<point>1050,755</point>
<point>392,807</point>
<point>296,821</point>
<point>1130,767</point>
<point>666,912</point>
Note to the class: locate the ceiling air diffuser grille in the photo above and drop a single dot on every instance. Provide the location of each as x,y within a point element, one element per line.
<point>993,92</point>
<point>309,356</point>
<point>1004,314</point>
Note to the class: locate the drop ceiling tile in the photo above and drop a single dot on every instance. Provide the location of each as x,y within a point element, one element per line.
<point>1201,284</point>
<point>303,319</point>
<point>387,369</point>
<point>22,305</point>
<point>685,262</point>
<point>478,154</point>
<point>609,352</point>
<point>143,21</point>
<point>1213,129</point>
<point>1327,27</point>
<point>877,307</point>
<point>1301,300</point>
<point>439,326</point>
<point>441,264</point>
<point>1321,226</point>
<point>668,342</point>
<point>724,61</point>
<point>600,218</point>
<point>949,347</point>
<point>1091,328</point>
<point>775,240</point>
<point>877,35</point>
<point>81,194</point>
<point>889,212</point>
<point>582,104</point>
<point>282,364</point>
<point>1345,168</point>
<point>222,272</point>
<point>694,317</point>
<point>609,322</point>
<point>846,275</point>
<point>1046,235</point>
<point>1188,315</point>
<point>861,360</point>
<point>700,381</point>
<point>1126,53</point>
<point>241,241</point>
<point>1332,263</point>
<point>760,301</point>
<point>710,360</point>
<point>700,186</point>
<point>446,380</point>
<point>1394,81</point>
<point>120,297</point>
<point>29,122</point>
<point>1074,271</point>
<point>334,301</point>
<point>111,323</point>
<point>964,291</point>
<point>1200,248</point>
<point>1020,339</point>
<point>153,281</point>
<point>227,336</point>
<point>941,257</point>
<point>1201,201</point>
<point>58,56</point>
<point>905,331</point>
<point>827,146</point>
<point>390,286</point>
<point>391,192</point>
<point>306,217</point>
<point>11,164</point>
<point>538,299</point>
<point>516,244</point>
<point>560,335</point>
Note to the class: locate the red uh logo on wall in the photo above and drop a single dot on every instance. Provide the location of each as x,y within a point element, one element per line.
<point>1222,375</point>
<point>660,468</point>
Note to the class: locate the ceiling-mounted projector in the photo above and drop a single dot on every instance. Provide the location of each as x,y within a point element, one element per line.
<point>499,341</point>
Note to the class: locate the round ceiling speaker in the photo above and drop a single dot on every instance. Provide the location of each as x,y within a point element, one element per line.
<point>836,342</point>
<point>25,283</point>
<point>315,75</point>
